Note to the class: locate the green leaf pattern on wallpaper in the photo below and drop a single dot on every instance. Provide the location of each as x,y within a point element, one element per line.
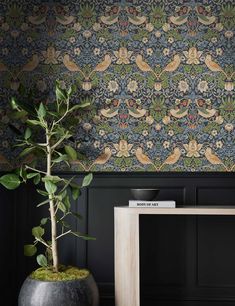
<point>159,76</point>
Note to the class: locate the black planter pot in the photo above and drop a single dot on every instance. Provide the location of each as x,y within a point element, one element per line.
<point>83,292</point>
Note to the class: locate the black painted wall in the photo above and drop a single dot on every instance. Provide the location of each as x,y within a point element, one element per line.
<point>185,260</point>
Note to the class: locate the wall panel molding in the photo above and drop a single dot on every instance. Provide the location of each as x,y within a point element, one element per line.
<point>96,205</point>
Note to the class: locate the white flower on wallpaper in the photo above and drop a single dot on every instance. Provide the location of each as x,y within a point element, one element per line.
<point>202,86</point>
<point>183,86</point>
<point>132,86</point>
<point>113,86</point>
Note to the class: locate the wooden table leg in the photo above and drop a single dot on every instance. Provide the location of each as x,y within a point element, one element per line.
<point>127,275</point>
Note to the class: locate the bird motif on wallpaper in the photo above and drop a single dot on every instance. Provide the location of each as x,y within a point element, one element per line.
<point>204,16</point>
<point>65,20</point>
<point>172,66</point>
<point>109,113</point>
<point>3,67</point>
<point>102,66</point>
<point>109,20</point>
<point>143,158</point>
<point>203,110</point>
<point>111,15</point>
<point>112,110</point>
<point>74,67</point>
<point>181,109</point>
<point>206,113</point>
<point>143,65</point>
<point>133,110</point>
<point>115,109</point>
<point>213,66</point>
<point>71,65</point>
<point>206,20</point>
<point>40,15</point>
<point>62,15</point>
<point>103,158</point>
<point>172,158</point>
<point>124,14</point>
<point>181,16</point>
<point>213,158</point>
<point>100,160</point>
<point>32,64</point>
<point>179,113</point>
<point>178,20</point>
<point>137,20</point>
<point>51,16</point>
<point>28,67</point>
<point>137,113</point>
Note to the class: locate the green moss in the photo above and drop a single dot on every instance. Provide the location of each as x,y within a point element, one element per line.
<point>65,273</point>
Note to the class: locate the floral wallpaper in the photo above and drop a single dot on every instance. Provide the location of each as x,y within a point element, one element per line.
<point>159,76</point>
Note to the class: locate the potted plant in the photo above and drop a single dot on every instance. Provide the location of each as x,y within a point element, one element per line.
<point>52,284</point>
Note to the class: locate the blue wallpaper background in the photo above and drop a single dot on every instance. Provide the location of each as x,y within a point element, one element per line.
<point>159,75</point>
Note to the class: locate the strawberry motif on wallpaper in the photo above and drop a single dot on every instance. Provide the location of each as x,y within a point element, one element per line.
<point>51,15</point>
<point>123,14</point>
<point>159,74</point>
<point>193,16</point>
<point>123,108</point>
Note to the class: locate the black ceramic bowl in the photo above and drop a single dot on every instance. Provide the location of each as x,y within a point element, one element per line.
<point>144,194</point>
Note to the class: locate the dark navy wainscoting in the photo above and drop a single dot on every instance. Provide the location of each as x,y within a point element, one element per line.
<point>185,260</point>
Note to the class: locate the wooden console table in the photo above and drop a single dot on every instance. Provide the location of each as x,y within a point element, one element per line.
<point>127,278</point>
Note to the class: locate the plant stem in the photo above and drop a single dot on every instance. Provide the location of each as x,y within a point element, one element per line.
<point>59,141</point>
<point>66,233</point>
<point>34,169</point>
<point>65,114</point>
<point>54,248</point>
<point>43,242</point>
